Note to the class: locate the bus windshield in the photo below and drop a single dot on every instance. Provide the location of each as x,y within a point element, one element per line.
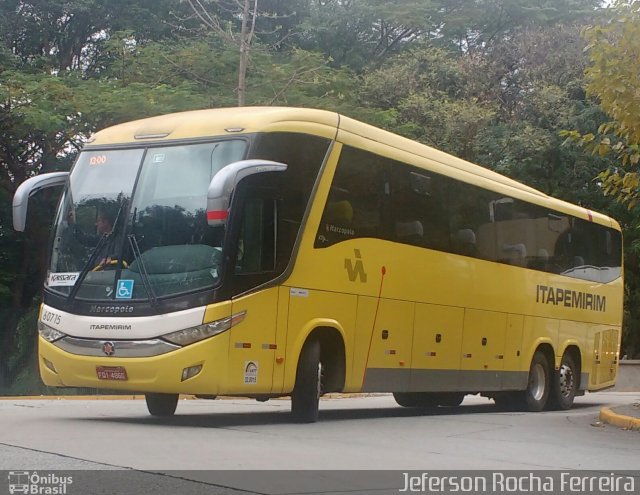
<point>132,223</point>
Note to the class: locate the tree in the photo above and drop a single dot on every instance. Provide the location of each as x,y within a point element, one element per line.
<point>247,12</point>
<point>55,89</point>
<point>612,76</point>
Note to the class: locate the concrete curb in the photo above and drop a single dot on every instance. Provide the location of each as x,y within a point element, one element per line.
<point>627,422</point>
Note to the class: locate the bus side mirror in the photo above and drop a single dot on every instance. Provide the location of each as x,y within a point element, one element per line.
<point>27,189</point>
<point>225,181</point>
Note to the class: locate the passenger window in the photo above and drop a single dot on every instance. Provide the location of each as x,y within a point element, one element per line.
<point>355,206</point>
<point>418,208</point>
<point>473,233</point>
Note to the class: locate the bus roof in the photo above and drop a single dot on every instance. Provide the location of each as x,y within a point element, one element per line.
<point>213,122</point>
<point>244,120</point>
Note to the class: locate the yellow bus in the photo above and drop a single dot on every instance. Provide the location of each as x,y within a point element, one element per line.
<point>265,252</point>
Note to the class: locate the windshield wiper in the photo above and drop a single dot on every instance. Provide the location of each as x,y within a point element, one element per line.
<point>144,274</point>
<point>91,262</point>
<point>87,267</point>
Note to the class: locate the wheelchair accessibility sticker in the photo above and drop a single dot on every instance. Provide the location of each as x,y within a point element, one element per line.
<point>124,289</point>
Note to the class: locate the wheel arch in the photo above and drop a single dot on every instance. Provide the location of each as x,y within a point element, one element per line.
<point>546,347</point>
<point>333,353</point>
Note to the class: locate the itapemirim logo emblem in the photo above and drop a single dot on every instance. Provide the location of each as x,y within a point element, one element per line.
<point>36,484</point>
<point>355,269</point>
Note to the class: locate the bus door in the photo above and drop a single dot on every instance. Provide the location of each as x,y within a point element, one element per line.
<point>252,345</point>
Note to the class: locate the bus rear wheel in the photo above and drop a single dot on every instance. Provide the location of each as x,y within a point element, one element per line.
<point>565,384</point>
<point>305,398</point>
<point>536,395</point>
<point>161,404</point>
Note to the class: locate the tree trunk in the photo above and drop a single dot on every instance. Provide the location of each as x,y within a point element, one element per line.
<point>246,35</point>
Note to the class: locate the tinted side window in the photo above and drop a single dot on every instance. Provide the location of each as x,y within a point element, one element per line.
<point>418,207</point>
<point>271,207</point>
<point>473,231</point>
<point>372,196</point>
<point>355,206</point>
<point>588,251</point>
<point>256,245</point>
<point>304,155</point>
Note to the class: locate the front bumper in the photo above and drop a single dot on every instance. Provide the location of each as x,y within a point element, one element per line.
<point>161,373</point>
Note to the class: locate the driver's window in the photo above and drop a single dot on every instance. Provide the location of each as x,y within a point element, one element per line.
<point>256,251</point>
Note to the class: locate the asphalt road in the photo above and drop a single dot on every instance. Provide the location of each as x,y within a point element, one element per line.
<point>365,433</point>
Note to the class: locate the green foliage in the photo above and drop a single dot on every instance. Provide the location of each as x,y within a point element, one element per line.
<point>614,54</point>
<point>493,81</point>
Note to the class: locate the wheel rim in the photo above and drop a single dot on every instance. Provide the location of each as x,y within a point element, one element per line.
<point>566,380</point>
<point>537,382</point>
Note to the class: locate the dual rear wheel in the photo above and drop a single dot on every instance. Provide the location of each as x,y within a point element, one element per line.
<point>546,388</point>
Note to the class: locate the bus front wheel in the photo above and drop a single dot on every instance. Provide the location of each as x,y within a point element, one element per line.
<point>305,398</point>
<point>161,404</point>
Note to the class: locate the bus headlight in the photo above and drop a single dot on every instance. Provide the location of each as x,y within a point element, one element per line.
<point>201,332</point>
<point>48,333</point>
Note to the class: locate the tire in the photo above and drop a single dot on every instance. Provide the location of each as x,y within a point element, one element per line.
<point>416,399</point>
<point>536,395</point>
<point>564,384</point>
<point>305,398</point>
<point>162,405</point>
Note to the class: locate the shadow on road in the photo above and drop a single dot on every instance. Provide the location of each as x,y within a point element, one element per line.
<point>213,419</point>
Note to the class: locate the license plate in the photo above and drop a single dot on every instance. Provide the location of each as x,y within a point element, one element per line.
<point>111,373</point>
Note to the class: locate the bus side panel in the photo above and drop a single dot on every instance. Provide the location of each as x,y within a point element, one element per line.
<point>281,339</point>
<point>483,344</point>
<point>513,359</point>
<point>389,359</point>
<point>437,346</point>
<point>362,341</point>
<point>252,344</point>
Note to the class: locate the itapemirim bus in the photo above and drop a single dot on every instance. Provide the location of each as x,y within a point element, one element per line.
<point>266,252</point>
